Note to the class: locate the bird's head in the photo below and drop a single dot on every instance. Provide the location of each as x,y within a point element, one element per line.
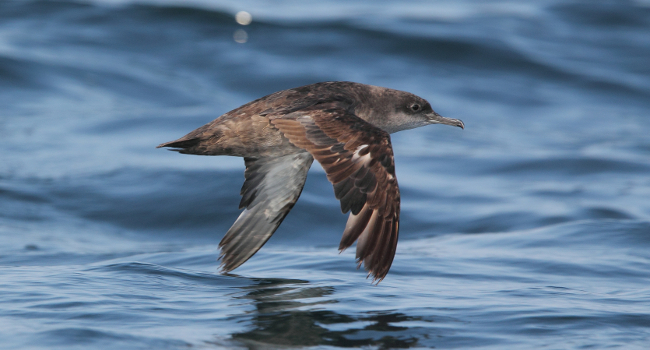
<point>394,110</point>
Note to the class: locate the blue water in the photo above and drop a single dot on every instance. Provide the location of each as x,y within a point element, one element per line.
<point>530,229</point>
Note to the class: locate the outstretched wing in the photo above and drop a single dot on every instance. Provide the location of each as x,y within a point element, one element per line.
<point>272,187</point>
<point>358,160</point>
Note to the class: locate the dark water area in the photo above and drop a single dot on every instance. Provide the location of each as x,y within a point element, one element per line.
<point>530,229</point>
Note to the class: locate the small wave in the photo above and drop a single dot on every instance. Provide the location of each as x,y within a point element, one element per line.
<point>136,267</point>
<point>72,337</point>
<point>571,166</point>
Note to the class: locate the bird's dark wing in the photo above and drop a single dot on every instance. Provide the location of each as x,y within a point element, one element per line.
<point>272,187</point>
<point>358,160</point>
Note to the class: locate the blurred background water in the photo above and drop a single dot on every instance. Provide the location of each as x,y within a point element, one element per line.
<point>529,229</point>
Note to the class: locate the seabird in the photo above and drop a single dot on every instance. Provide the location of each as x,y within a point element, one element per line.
<point>345,126</point>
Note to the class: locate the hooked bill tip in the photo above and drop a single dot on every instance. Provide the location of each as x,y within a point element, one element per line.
<point>438,119</point>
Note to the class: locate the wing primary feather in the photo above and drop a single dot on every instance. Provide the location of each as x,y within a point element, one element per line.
<point>353,228</point>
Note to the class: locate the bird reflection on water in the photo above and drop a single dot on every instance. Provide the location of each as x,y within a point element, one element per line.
<point>287,314</point>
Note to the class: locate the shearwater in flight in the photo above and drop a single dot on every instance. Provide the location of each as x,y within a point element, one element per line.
<point>345,126</point>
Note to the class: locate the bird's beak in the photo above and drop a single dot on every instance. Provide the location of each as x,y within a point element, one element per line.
<point>435,118</point>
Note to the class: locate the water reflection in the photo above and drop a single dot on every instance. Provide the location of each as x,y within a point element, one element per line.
<point>240,36</point>
<point>292,313</point>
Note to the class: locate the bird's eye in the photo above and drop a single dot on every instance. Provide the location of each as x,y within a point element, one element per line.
<point>415,107</point>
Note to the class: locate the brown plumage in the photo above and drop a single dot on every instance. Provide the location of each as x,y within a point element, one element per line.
<point>344,126</point>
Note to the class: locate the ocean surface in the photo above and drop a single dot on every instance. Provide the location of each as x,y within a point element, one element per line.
<point>530,229</point>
